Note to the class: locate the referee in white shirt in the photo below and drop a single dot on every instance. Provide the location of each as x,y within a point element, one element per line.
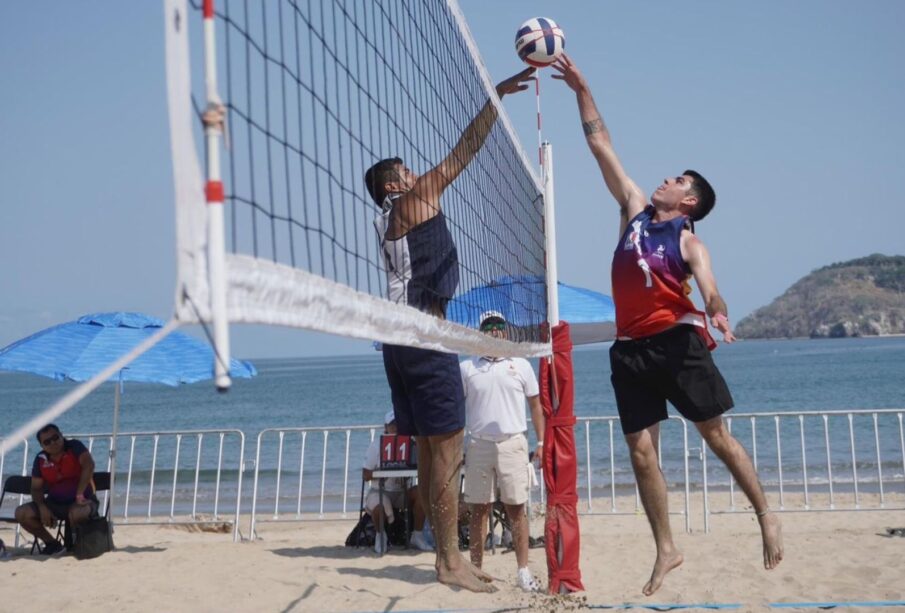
<point>496,456</point>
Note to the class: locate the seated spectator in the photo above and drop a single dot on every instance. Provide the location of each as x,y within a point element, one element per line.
<point>393,492</point>
<point>64,468</point>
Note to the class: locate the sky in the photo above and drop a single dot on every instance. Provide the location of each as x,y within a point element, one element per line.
<point>793,110</point>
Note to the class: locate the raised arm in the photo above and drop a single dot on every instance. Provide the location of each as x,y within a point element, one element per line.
<point>628,195</point>
<point>423,201</point>
<point>695,253</point>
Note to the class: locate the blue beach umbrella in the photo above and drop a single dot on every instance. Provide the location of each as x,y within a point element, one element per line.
<point>522,301</point>
<point>80,349</point>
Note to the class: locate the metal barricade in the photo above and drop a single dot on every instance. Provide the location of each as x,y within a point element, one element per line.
<point>272,469</point>
<point>166,477</point>
<point>608,460</point>
<point>816,461</point>
<point>807,461</point>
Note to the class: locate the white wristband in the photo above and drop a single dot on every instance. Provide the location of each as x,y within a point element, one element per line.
<point>540,443</point>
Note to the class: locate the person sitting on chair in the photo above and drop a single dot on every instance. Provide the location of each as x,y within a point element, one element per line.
<point>393,492</point>
<point>64,468</point>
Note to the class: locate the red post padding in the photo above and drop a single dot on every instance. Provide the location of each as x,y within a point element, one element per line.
<point>561,532</point>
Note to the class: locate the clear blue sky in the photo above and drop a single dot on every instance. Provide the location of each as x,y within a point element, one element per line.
<point>794,111</point>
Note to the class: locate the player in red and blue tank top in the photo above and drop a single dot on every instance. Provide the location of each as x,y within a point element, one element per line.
<point>662,352</point>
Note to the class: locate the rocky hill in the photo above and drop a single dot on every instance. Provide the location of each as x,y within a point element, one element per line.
<point>863,297</point>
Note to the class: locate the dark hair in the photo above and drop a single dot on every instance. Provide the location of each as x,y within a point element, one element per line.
<point>706,196</point>
<point>379,175</point>
<point>45,429</point>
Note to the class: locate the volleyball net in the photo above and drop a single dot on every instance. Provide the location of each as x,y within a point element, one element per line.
<point>314,93</point>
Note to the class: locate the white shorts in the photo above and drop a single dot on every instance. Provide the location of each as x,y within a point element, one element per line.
<point>490,466</point>
<point>391,499</point>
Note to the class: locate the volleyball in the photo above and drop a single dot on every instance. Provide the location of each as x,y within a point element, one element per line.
<point>539,41</point>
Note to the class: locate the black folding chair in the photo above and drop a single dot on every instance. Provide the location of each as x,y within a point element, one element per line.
<point>17,484</point>
<point>14,484</point>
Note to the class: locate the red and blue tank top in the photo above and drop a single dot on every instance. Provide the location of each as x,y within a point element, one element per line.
<point>650,279</point>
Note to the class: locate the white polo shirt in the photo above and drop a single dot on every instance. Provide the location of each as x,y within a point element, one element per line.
<point>495,392</point>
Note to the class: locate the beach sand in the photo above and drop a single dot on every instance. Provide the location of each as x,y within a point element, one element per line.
<point>829,556</point>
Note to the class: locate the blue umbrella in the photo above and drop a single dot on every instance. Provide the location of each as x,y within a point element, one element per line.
<point>80,349</point>
<point>522,301</point>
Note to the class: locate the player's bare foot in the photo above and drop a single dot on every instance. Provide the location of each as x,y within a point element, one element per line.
<point>477,572</point>
<point>771,531</point>
<point>464,577</point>
<point>665,563</point>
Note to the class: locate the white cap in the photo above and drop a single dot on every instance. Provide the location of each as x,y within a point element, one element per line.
<point>490,315</point>
<point>389,418</point>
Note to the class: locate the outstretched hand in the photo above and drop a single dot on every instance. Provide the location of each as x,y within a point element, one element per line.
<point>516,83</point>
<point>721,323</point>
<point>568,72</point>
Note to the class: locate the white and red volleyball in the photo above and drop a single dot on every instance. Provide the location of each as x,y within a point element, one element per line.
<point>539,41</point>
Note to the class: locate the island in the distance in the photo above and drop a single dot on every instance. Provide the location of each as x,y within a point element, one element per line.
<point>862,297</point>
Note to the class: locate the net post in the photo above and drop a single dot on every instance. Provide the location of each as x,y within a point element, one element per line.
<point>550,232</point>
<point>213,131</point>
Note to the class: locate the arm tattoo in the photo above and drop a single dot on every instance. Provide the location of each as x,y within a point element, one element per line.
<point>595,125</point>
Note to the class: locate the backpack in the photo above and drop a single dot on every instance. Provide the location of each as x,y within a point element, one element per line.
<point>92,538</point>
<point>363,534</point>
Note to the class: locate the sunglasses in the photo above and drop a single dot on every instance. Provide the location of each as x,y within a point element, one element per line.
<point>488,327</point>
<point>50,440</point>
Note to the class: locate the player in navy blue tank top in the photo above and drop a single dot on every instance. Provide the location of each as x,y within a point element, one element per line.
<point>423,271</point>
<point>661,352</point>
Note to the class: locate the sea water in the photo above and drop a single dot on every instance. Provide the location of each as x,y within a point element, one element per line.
<point>764,377</point>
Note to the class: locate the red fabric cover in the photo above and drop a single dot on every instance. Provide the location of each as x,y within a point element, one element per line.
<point>561,532</point>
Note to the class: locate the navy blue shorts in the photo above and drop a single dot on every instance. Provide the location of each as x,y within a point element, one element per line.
<point>674,365</point>
<point>426,387</point>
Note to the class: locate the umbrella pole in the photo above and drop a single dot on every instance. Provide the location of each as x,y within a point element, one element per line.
<point>116,402</point>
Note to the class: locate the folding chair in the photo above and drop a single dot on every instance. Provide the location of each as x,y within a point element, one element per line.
<point>17,484</point>
<point>14,484</point>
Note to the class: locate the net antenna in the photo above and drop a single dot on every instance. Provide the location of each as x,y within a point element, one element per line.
<point>281,230</point>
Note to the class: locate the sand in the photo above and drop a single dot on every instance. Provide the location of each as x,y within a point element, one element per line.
<point>830,556</point>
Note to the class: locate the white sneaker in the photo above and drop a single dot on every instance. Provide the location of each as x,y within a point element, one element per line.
<point>380,543</point>
<point>527,581</point>
<point>419,541</point>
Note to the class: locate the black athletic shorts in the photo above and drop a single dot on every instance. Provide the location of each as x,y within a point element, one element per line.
<point>60,509</point>
<point>426,387</point>
<point>674,365</point>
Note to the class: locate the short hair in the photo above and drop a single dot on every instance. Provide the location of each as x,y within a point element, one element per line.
<point>378,175</point>
<point>701,188</point>
<point>45,429</point>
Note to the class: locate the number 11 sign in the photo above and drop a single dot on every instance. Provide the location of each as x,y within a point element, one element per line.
<point>396,451</point>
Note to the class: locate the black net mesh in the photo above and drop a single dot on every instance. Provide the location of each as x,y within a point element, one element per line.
<point>318,91</point>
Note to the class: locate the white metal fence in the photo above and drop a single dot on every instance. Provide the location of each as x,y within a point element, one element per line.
<point>807,461</point>
<point>184,477</point>
<point>816,461</point>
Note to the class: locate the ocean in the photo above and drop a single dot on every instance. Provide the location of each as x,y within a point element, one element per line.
<point>764,376</point>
